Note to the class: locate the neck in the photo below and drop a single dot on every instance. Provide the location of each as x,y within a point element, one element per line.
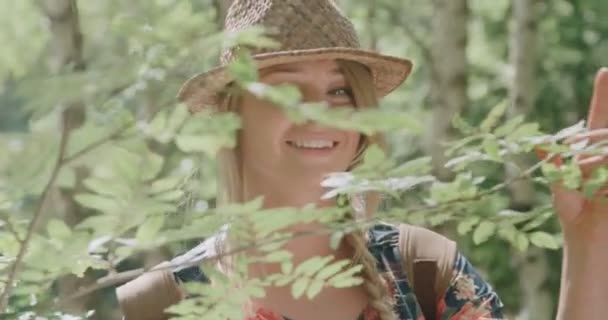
<point>297,193</point>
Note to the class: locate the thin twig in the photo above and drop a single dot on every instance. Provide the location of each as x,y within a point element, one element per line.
<point>16,266</point>
<point>12,230</point>
<point>98,143</point>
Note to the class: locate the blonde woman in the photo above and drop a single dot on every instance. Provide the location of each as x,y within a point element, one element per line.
<point>285,163</point>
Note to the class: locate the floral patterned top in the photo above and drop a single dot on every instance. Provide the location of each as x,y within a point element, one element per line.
<point>468,296</point>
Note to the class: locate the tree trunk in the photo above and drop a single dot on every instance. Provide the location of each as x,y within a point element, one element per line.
<point>371,18</point>
<point>448,78</point>
<point>66,54</point>
<point>522,88</point>
<point>532,265</point>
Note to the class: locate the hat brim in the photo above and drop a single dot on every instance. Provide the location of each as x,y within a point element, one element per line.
<point>388,72</point>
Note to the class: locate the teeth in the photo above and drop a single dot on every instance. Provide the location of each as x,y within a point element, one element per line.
<point>315,144</point>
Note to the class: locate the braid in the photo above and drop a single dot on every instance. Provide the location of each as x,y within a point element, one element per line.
<point>377,292</point>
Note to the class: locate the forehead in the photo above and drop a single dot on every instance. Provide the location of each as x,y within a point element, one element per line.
<point>314,66</point>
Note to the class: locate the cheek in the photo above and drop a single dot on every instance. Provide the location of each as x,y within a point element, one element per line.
<point>262,131</point>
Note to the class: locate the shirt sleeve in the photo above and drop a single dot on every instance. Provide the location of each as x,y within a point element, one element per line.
<point>469,296</point>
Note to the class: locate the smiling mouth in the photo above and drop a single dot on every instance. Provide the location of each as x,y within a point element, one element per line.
<point>313,144</point>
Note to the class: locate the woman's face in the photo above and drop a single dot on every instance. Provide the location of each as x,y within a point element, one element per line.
<point>274,147</point>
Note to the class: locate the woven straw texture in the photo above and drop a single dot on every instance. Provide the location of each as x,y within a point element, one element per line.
<point>306,30</point>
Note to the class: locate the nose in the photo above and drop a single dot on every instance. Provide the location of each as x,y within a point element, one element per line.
<point>313,94</point>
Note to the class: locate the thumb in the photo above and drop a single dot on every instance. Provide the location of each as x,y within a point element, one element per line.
<point>567,203</point>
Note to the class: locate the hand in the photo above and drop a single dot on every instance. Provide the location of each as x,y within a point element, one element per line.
<point>585,220</point>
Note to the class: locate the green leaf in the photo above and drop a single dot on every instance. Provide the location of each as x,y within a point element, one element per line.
<point>598,179</point>
<point>315,287</point>
<point>336,239</point>
<point>524,131</point>
<point>107,187</point>
<point>158,124</point>
<point>332,269</point>
<point>346,282</point>
<point>493,116</point>
<point>255,291</point>
<point>483,231</point>
<point>551,171</point>
<point>508,232</point>
<point>466,225</point>
<point>100,203</point>
<point>312,265</point>
<point>150,228</point>
<point>178,117</point>
<point>243,68</point>
<point>299,287</point>
<point>285,96</point>
<point>170,196</point>
<point>151,165</point>
<point>572,176</point>
<point>372,158</point>
<point>58,229</point>
<point>347,278</point>
<point>207,144</point>
<point>278,256</point>
<point>283,280</point>
<point>490,146</point>
<point>457,145</point>
<point>538,220</point>
<point>419,166</point>
<point>271,246</point>
<point>287,266</point>
<point>544,240</point>
<point>255,36</point>
<point>521,242</point>
<point>509,126</point>
<point>462,125</point>
<point>165,184</point>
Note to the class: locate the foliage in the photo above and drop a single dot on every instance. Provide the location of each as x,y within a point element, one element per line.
<point>141,169</point>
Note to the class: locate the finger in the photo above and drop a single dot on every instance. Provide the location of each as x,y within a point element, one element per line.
<point>592,136</point>
<point>589,165</point>
<point>570,203</point>
<point>603,191</point>
<point>598,110</point>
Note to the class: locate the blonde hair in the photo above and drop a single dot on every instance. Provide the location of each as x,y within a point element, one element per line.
<point>359,78</point>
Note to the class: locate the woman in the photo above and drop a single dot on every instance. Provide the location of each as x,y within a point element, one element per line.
<point>285,163</point>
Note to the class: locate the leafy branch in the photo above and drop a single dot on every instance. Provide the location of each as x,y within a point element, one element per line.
<point>16,265</point>
<point>121,277</point>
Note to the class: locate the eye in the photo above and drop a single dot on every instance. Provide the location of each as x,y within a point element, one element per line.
<point>344,92</point>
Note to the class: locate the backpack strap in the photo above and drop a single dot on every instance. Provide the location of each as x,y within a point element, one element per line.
<point>428,260</point>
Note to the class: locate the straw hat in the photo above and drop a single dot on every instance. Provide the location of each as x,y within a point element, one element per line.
<point>306,30</point>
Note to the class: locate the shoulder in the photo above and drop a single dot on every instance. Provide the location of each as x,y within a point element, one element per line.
<point>469,295</point>
<point>414,241</point>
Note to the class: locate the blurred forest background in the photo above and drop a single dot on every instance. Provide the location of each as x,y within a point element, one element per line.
<point>97,71</point>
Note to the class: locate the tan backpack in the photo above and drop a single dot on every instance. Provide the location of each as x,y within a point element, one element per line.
<point>428,259</point>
